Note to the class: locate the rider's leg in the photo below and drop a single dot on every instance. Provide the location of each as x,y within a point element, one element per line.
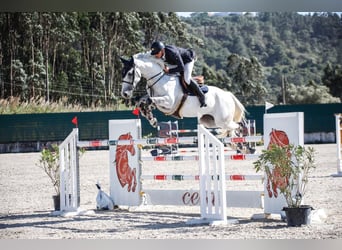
<point>193,86</point>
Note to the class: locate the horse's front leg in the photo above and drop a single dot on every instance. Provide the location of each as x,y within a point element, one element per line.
<point>146,111</point>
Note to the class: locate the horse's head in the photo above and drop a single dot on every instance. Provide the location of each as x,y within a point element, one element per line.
<point>140,65</point>
<point>131,75</point>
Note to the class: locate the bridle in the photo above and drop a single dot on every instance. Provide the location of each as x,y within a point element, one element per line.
<point>161,74</point>
<point>133,78</point>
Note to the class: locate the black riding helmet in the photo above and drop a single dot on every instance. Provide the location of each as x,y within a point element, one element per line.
<point>156,47</point>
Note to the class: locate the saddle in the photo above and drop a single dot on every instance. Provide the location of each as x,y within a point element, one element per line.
<point>200,82</point>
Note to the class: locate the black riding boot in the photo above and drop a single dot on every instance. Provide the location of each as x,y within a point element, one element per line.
<point>193,86</point>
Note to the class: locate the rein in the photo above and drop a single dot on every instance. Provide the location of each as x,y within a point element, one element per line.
<point>162,74</point>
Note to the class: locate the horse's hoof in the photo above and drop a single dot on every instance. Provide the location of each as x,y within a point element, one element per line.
<point>251,150</point>
<point>154,123</point>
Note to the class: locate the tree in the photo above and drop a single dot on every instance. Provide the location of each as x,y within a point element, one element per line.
<point>247,79</point>
<point>332,78</point>
<point>76,54</point>
<point>309,93</point>
<point>20,79</point>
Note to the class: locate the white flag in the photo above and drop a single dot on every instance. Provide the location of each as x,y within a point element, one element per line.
<point>268,105</point>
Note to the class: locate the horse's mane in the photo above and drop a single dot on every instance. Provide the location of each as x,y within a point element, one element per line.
<point>147,57</point>
<point>143,55</point>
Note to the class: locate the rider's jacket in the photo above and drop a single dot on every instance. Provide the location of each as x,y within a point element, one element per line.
<point>178,56</point>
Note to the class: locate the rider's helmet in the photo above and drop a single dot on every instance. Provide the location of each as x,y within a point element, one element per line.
<point>156,47</point>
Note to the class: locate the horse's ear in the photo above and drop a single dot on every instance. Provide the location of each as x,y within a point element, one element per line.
<point>123,60</point>
<point>131,61</point>
<point>127,62</point>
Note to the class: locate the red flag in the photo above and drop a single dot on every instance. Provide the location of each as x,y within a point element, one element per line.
<point>74,121</point>
<point>136,111</point>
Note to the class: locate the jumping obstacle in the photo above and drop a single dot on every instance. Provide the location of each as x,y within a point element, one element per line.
<point>338,122</point>
<point>135,195</point>
<point>179,197</point>
<point>289,123</point>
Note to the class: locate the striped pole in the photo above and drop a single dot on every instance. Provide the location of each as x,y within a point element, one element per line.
<point>180,151</point>
<point>181,131</point>
<point>163,141</point>
<point>155,141</point>
<point>256,138</point>
<point>175,177</point>
<point>92,144</point>
<point>196,157</point>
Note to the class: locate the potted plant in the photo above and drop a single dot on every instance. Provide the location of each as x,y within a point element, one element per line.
<point>49,162</point>
<point>287,168</point>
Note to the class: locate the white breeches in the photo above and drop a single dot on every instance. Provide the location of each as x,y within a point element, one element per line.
<point>188,71</point>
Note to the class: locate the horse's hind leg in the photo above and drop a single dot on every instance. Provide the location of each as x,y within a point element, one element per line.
<point>222,133</point>
<point>207,121</point>
<point>228,129</point>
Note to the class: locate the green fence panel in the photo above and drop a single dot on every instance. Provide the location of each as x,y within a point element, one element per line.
<point>94,125</point>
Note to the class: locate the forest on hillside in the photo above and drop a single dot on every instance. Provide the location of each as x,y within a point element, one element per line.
<point>74,56</point>
<point>281,57</point>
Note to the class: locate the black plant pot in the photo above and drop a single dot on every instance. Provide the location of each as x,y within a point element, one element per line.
<point>57,202</point>
<point>297,216</point>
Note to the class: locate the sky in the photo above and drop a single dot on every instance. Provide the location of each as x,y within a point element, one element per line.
<point>187,14</point>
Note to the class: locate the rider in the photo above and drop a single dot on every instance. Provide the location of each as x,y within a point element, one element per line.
<point>184,59</point>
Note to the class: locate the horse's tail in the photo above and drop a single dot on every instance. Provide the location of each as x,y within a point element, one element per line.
<point>240,111</point>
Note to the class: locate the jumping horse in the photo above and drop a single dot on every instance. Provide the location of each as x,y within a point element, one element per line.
<point>223,111</point>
